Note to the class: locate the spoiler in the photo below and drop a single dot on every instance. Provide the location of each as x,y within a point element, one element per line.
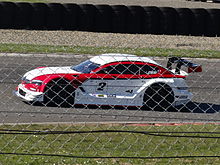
<point>192,67</point>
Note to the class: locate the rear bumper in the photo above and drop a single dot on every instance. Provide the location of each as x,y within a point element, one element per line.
<point>28,95</point>
<point>182,97</point>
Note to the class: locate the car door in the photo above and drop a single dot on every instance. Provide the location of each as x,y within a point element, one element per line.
<point>121,84</point>
<point>94,89</point>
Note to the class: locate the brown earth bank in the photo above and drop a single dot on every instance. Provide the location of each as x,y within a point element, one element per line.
<point>159,3</point>
<point>76,38</point>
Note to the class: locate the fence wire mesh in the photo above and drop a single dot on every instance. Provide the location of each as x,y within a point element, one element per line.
<point>113,113</point>
<point>114,107</point>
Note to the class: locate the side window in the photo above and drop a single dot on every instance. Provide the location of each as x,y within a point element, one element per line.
<point>147,69</point>
<point>119,69</point>
<point>127,69</point>
<point>134,69</point>
<point>109,70</point>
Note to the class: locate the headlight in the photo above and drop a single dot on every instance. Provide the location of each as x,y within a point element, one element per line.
<point>25,80</point>
<point>37,82</point>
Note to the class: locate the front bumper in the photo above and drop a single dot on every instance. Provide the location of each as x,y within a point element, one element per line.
<point>28,95</point>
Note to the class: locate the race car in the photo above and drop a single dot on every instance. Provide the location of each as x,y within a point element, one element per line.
<point>110,79</point>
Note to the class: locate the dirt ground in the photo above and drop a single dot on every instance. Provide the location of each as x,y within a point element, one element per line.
<point>159,3</point>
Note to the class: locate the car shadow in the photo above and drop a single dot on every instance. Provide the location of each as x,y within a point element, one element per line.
<point>191,107</point>
<point>195,107</point>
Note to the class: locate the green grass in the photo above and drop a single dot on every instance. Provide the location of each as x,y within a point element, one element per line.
<point>28,48</point>
<point>110,144</point>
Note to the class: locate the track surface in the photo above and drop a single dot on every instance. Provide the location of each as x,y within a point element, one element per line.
<point>204,108</point>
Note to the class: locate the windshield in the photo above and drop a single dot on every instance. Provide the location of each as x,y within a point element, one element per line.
<point>85,67</point>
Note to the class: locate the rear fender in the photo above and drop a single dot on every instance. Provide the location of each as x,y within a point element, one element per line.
<point>167,81</point>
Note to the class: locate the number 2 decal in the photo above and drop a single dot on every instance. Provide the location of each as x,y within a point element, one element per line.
<point>101,86</point>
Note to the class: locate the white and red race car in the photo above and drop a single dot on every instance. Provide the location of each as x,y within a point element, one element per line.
<point>110,79</point>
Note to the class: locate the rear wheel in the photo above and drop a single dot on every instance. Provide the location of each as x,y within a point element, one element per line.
<point>158,96</point>
<point>59,93</point>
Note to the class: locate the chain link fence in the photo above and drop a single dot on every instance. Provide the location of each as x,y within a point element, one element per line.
<point>93,119</point>
<point>83,108</point>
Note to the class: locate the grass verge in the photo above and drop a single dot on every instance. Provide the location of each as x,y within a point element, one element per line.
<point>111,144</point>
<point>160,52</point>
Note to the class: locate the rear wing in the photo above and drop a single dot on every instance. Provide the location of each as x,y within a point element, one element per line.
<point>192,67</point>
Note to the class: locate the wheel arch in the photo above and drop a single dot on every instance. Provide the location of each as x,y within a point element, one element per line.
<point>160,83</point>
<point>54,79</point>
<point>59,92</point>
<point>154,99</point>
<point>151,82</point>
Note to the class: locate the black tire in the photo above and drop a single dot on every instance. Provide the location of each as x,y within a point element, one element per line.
<point>7,15</point>
<point>23,15</point>
<point>158,97</point>
<point>184,21</point>
<point>59,93</point>
<point>135,23</point>
<point>213,22</point>
<point>86,17</point>
<point>199,22</point>
<point>168,20</point>
<point>54,17</point>
<point>120,18</point>
<point>152,20</point>
<point>39,16</point>
<point>103,18</point>
<point>70,16</point>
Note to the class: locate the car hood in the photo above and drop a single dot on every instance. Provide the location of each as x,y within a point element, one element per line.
<point>49,70</point>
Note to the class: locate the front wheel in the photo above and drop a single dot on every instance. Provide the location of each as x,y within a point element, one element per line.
<point>158,97</point>
<point>59,93</point>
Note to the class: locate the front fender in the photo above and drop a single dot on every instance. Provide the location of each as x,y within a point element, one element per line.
<point>49,78</point>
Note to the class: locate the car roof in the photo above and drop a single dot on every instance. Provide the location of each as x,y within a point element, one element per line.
<point>117,57</point>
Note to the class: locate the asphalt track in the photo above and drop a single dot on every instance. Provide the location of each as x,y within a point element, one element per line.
<point>204,107</point>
